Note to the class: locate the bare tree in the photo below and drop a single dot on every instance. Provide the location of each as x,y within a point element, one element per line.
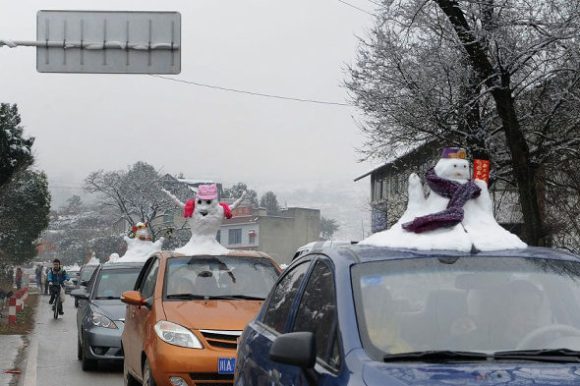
<point>134,194</point>
<point>463,70</point>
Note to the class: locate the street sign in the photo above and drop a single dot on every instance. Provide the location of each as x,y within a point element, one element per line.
<point>108,42</point>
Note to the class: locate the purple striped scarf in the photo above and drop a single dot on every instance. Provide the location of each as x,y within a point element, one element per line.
<point>458,195</point>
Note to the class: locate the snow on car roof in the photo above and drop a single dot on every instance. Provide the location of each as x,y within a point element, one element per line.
<point>369,253</point>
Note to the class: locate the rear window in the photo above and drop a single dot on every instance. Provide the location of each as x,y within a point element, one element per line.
<point>111,283</point>
<point>219,277</point>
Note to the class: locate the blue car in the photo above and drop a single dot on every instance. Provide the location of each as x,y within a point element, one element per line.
<point>365,315</point>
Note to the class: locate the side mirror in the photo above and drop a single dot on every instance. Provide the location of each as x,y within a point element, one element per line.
<point>296,349</point>
<point>133,298</point>
<point>80,294</point>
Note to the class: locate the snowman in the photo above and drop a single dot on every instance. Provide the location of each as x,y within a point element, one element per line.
<point>139,244</point>
<point>205,216</point>
<point>455,213</point>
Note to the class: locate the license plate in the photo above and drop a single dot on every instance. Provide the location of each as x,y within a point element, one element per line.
<point>226,365</point>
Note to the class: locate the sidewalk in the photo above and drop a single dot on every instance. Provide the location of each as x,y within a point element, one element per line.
<point>11,346</point>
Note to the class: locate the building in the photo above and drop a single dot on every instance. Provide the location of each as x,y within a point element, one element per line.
<point>278,235</point>
<point>389,189</point>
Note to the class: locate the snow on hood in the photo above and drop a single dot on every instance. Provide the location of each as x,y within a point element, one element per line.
<point>479,229</point>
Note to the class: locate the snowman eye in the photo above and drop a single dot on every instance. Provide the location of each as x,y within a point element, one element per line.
<point>454,165</point>
<point>464,166</point>
<point>208,202</point>
<point>199,202</point>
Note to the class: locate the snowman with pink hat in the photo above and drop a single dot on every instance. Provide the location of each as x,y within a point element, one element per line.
<point>205,214</point>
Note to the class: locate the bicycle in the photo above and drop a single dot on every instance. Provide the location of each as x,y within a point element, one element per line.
<point>57,305</point>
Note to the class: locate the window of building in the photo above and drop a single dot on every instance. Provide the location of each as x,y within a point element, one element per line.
<point>218,236</point>
<point>252,236</point>
<point>235,236</point>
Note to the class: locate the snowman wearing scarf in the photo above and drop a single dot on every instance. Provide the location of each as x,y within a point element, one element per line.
<point>451,212</point>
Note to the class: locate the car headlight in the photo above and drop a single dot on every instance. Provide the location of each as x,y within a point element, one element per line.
<point>176,335</point>
<point>101,320</point>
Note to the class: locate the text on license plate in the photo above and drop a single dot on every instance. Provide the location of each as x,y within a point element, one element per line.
<point>226,365</point>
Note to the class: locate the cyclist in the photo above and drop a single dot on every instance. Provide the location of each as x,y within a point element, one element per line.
<point>56,278</point>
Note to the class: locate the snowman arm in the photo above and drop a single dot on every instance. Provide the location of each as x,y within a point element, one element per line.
<point>174,198</point>
<point>238,201</point>
<point>415,191</point>
<point>484,199</point>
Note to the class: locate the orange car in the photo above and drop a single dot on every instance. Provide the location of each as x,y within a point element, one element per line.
<point>186,314</point>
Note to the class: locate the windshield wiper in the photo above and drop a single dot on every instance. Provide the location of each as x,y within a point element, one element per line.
<point>547,355</point>
<point>436,356</point>
<point>106,297</point>
<point>187,296</point>
<point>244,297</point>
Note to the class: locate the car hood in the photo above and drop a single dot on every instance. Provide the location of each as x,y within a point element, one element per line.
<point>504,374</point>
<point>113,309</point>
<point>212,314</point>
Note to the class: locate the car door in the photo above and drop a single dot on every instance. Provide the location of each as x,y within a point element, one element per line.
<point>137,316</point>
<point>255,367</point>
<point>317,313</point>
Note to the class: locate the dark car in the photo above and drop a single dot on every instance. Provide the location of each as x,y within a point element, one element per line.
<point>101,314</point>
<point>366,315</point>
<point>84,278</point>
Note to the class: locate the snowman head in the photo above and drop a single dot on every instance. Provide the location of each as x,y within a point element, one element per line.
<point>206,202</point>
<point>141,231</point>
<point>453,165</point>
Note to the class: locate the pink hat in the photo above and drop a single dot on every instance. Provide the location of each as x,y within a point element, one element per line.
<point>207,192</point>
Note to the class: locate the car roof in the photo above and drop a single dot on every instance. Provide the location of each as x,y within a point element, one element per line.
<point>366,253</point>
<point>113,266</point>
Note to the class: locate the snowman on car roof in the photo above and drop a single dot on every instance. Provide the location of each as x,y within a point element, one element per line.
<point>139,245</point>
<point>456,213</point>
<point>205,215</point>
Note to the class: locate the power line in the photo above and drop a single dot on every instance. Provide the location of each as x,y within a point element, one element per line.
<point>374,2</point>
<point>250,92</point>
<point>355,7</point>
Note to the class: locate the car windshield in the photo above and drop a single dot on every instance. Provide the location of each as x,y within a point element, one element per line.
<point>111,283</point>
<point>219,276</point>
<point>87,272</point>
<point>482,304</point>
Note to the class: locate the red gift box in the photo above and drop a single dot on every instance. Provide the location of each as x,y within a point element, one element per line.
<point>481,170</point>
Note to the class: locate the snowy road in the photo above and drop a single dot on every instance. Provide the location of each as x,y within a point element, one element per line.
<point>52,354</point>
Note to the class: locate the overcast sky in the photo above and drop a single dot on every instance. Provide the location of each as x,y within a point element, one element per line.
<point>293,48</point>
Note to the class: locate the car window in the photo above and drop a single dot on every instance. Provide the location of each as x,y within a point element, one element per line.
<point>148,284</point>
<point>317,312</point>
<point>220,276</point>
<point>112,283</point>
<point>282,297</point>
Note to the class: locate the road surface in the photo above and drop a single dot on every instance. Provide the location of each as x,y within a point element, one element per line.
<point>52,353</point>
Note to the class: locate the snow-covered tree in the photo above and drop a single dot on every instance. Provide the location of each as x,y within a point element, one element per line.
<point>15,153</point>
<point>134,195</point>
<point>270,202</point>
<point>24,214</point>
<point>477,73</point>
<point>238,189</point>
<point>328,226</point>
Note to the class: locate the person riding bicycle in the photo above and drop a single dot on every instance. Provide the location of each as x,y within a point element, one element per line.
<point>56,278</point>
